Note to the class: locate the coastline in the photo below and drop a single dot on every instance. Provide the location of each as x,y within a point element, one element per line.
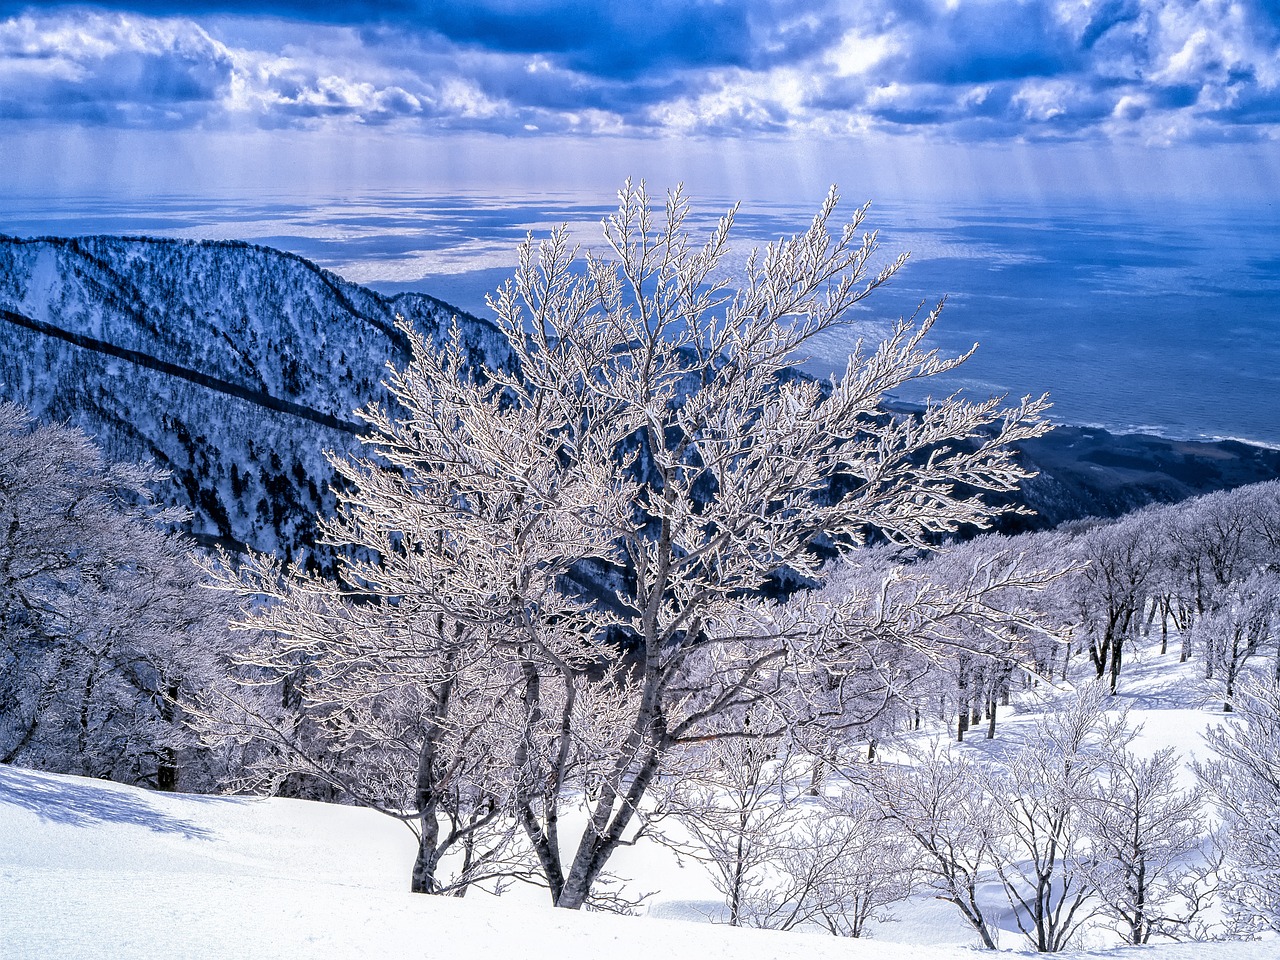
<point>1085,470</point>
<point>1090,471</point>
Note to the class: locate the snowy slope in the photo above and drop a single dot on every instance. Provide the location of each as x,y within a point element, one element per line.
<point>97,870</point>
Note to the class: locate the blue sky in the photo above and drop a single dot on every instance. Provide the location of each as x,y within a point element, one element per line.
<point>751,98</point>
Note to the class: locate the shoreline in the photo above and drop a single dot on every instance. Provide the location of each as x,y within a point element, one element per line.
<point>1086,470</point>
<point>1091,471</point>
<point>1152,431</point>
<point>1136,430</point>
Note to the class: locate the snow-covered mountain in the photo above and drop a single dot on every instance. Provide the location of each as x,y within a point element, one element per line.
<point>234,366</point>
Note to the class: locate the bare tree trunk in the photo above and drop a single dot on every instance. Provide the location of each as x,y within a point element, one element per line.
<point>167,768</point>
<point>543,836</point>
<point>597,846</point>
<point>1165,613</point>
<point>739,872</point>
<point>427,861</point>
<point>1184,624</point>
<point>1117,645</point>
<point>427,799</point>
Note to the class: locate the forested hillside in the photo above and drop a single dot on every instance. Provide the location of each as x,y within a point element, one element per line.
<point>232,366</point>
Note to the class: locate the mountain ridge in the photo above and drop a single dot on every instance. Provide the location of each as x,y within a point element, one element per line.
<point>174,370</point>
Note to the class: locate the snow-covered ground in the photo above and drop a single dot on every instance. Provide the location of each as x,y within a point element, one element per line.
<point>96,870</point>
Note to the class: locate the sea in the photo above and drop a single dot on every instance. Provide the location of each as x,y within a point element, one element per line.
<point>1160,318</point>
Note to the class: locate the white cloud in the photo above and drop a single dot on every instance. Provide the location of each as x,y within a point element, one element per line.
<point>109,68</point>
<point>859,53</point>
<point>462,98</point>
<point>1162,69</point>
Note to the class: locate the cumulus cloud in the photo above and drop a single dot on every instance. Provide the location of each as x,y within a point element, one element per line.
<point>1153,70</point>
<point>111,69</point>
<point>1112,68</point>
<point>976,43</point>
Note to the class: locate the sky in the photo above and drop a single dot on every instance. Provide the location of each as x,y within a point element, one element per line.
<point>752,99</point>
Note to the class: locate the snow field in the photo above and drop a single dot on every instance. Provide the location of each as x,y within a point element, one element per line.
<point>90,869</point>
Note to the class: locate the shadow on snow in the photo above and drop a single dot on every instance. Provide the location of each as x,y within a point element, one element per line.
<point>84,805</point>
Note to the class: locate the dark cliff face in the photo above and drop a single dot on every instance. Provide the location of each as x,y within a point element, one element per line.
<point>236,366</point>
<point>233,366</point>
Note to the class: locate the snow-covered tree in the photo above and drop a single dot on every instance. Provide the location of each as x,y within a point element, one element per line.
<point>943,800</point>
<point>1216,540</point>
<point>735,797</point>
<point>1040,848</point>
<point>610,511</point>
<point>1146,836</point>
<point>1110,589</point>
<point>979,649</point>
<point>383,703</point>
<point>104,630</point>
<point>1240,625</point>
<point>841,865</point>
<point>1245,782</point>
